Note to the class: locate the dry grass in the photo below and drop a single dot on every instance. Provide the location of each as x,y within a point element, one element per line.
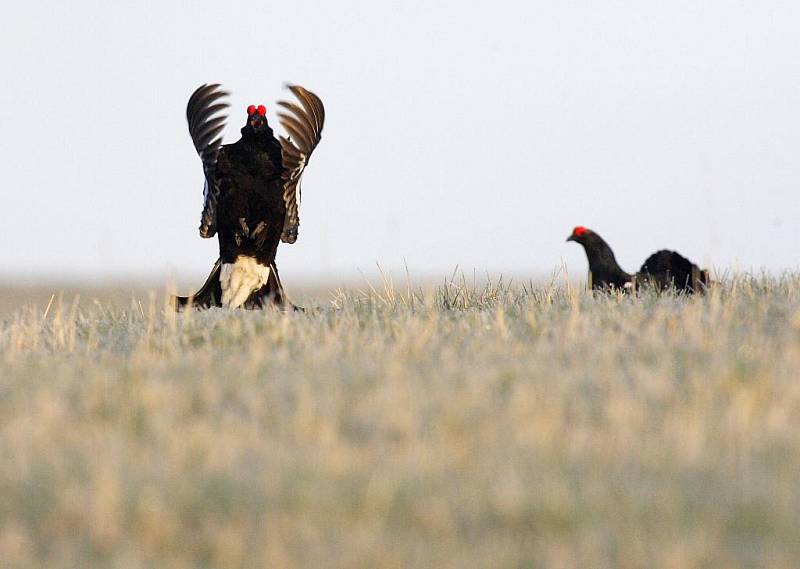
<point>467,426</point>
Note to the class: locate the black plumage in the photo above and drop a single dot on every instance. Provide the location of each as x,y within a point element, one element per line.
<point>666,269</point>
<point>663,270</point>
<point>252,193</point>
<point>603,267</point>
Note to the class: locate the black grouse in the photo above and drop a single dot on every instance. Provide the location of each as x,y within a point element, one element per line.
<point>252,193</point>
<point>663,270</point>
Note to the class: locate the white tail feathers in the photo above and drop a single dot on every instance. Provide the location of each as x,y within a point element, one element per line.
<point>240,279</point>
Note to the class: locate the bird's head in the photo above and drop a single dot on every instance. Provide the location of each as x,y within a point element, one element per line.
<point>580,234</point>
<point>256,118</point>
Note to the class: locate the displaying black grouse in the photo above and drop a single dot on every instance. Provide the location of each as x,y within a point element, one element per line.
<point>663,269</point>
<point>252,193</point>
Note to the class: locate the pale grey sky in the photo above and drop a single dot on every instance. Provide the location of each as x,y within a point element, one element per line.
<point>456,134</point>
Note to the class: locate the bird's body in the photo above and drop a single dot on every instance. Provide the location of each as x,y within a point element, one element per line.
<point>251,214</point>
<point>248,175</point>
<point>666,269</point>
<point>663,270</point>
<point>252,194</point>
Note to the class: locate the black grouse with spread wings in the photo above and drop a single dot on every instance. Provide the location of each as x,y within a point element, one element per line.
<point>252,193</point>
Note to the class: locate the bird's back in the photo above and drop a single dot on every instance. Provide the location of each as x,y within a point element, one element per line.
<point>667,269</point>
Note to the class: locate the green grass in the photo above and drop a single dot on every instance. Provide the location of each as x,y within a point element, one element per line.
<point>463,426</point>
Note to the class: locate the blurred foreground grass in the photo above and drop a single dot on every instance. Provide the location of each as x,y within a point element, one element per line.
<point>466,426</point>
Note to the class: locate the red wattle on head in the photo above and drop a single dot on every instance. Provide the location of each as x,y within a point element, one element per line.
<point>578,231</point>
<point>251,109</point>
<point>262,110</point>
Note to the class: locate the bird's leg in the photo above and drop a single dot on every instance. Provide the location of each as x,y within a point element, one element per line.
<point>259,234</point>
<point>240,236</point>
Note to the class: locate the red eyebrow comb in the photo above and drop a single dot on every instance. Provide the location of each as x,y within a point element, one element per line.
<point>262,110</point>
<point>251,109</point>
<point>578,231</point>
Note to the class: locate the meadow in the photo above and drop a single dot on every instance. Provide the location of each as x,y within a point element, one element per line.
<point>469,424</point>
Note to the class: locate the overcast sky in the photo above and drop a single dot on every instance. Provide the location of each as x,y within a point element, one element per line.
<point>455,135</point>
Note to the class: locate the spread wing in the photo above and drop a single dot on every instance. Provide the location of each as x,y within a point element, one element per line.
<point>205,126</point>
<point>304,124</point>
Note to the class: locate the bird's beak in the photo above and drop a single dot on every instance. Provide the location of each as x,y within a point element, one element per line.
<point>571,238</point>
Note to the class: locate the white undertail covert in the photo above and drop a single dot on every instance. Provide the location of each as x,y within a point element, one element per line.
<point>240,279</point>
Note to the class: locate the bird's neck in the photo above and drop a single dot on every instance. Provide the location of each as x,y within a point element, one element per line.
<point>257,140</point>
<point>602,260</point>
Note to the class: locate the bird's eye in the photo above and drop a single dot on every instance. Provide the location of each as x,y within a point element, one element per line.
<point>262,110</point>
<point>251,109</point>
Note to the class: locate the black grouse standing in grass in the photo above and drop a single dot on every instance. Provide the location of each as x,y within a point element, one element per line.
<point>252,193</point>
<point>663,269</point>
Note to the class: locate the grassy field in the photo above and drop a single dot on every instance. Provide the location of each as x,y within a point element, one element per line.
<point>460,426</point>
